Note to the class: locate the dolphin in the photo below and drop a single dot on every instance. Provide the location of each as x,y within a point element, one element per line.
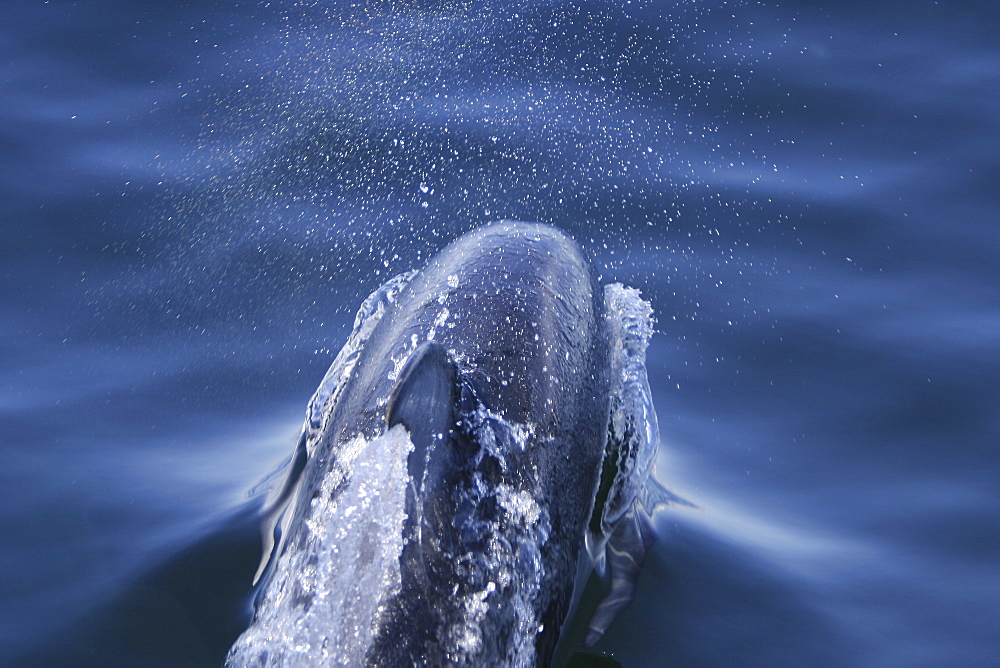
<point>481,443</point>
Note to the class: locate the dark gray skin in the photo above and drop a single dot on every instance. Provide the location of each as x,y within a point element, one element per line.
<point>526,340</point>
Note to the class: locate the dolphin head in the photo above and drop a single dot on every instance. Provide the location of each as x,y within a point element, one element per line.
<point>453,456</point>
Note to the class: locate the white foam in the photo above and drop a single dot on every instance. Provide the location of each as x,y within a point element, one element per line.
<point>324,599</point>
<point>633,418</point>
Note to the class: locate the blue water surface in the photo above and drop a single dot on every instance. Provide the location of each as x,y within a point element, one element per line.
<point>198,195</point>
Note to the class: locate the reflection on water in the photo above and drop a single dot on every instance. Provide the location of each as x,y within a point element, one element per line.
<point>196,198</point>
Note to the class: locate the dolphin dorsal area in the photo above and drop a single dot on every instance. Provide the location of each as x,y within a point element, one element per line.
<point>465,447</point>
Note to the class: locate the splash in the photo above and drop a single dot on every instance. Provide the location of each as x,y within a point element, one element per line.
<point>325,597</point>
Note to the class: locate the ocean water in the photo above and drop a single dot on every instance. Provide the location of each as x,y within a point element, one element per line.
<point>198,195</point>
